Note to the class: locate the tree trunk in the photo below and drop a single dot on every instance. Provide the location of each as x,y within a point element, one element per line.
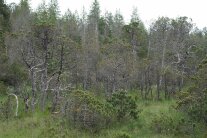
<point>158,85</point>
<point>45,67</point>
<point>57,89</point>
<point>33,89</point>
<point>165,82</point>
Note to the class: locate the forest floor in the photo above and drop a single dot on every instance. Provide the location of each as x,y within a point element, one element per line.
<point>43,125</point>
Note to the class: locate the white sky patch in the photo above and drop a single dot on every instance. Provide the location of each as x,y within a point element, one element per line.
<point>148,10</point>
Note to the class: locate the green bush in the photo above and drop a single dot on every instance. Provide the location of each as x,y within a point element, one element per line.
<point>163,124</point>
<point>3,89</point>
<point>122,135</point>
<point>7,108</point>
<point>13,74</point>
<point>54,128</point>
<point>166,124</point>
<point>85,110</point>
<point>194,100</point>
<point>124,105</point>
<point>194,105</point>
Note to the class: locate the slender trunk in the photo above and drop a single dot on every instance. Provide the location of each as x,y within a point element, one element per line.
<point>173,86</point>
<point>182,80</point>
<point>134,53</point>
<point>166,90</point>
<point>146,85</point>
<point>158,85</point>
<point>163,56</point>
<point>57,90</point>
<point>163,59</point>
<point>44,90</point>
<point>33,89</point>
<point>149,83</point>
<point>149,46</point>
<point>142,86</point>
<point>113,83</point>
<point>45,66</point>
<point>85,76</point>
<point>85,79</point>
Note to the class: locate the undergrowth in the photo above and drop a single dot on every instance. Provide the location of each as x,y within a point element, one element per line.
<point>157,119</point>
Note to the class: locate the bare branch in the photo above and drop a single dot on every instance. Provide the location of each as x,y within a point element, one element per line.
<point>25,61</point>
<point>39,71</point>
<point>35,67</point>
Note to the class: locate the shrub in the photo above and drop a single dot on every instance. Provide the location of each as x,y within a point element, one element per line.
<point>122,135</point>
<point>7,109</point>
<point>3,89</point>
<point>194,100</point>
<point>124,105</point>
<point>88,111</point>
<point>13,74</point>
<point>194,105</point>
<point>165,124</point>
<point>54,128</point>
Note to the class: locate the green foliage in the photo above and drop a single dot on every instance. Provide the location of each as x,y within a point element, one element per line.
<point>195,106</point>
<point>7,108</point>
<point>88,111</point>
<point>122,135</point>
<point>47,15</point>
<point>124,105</point>
<point>93,103</point>
<point>14,75</point>
<point>55,129</point>
<point>194,100</point>
<point>94,12</point>
<point>4,16</point>
<point>135,34</point>
<point>39,125</point>
<point>3,88</point>
<point>4,27</point>
<point>167,124</point>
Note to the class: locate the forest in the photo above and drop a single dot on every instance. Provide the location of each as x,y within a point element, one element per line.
<point>92,75</point>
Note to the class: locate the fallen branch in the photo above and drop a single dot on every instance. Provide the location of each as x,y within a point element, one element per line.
<point>17,102</point>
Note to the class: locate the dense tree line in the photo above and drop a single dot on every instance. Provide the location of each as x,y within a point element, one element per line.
<point>45,55</point>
